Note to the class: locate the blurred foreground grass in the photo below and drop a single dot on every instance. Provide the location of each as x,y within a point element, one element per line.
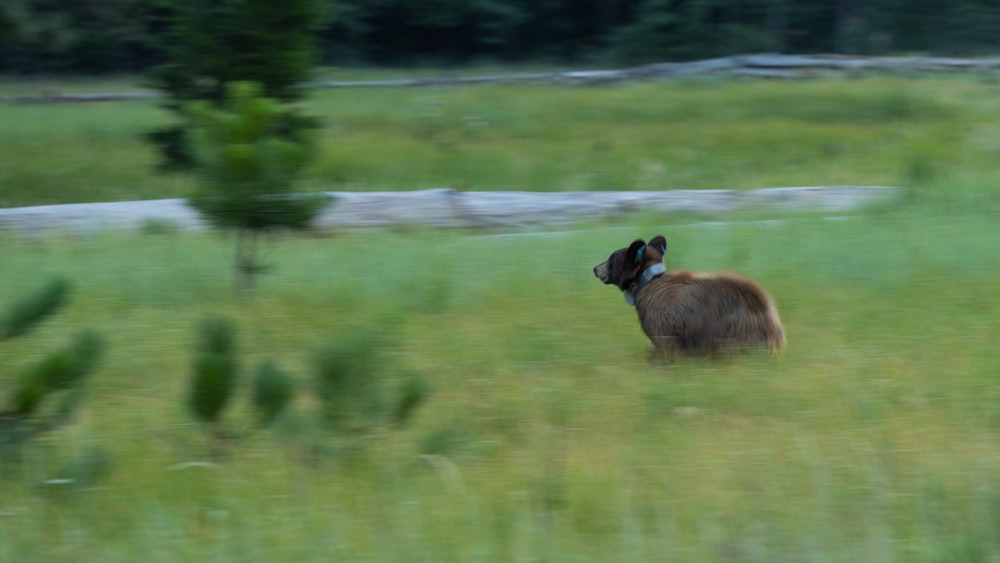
<point>548,436</point>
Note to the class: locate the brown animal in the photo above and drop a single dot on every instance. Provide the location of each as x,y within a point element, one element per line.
<point>692,313</point>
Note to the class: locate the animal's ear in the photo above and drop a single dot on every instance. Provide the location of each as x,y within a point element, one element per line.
<point>636,252</point>
<point>659,242</point>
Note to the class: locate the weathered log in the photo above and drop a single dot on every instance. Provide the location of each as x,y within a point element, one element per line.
<point>80,98</point>
<point>449,208</point>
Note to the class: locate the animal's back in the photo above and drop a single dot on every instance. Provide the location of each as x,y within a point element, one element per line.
<point>708,313</point>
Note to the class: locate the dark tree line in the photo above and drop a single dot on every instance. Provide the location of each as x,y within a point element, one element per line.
<point>86,36</point>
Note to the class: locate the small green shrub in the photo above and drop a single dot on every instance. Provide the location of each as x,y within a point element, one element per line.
<point>50,391</point>
<point>248,165</point>
<point>347,375</point>
<point>25,314</point>
<point>272,391</point>
<point>215,381</point>
<point>352,374</point>
<point>215,370</point>
<point>412,393</point>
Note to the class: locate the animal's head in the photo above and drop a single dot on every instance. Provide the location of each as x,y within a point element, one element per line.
<point>626,264</point>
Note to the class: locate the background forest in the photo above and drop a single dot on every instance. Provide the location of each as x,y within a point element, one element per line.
<point>87,36</point>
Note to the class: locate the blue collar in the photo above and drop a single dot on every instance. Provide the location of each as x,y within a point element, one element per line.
<point>647,275</point>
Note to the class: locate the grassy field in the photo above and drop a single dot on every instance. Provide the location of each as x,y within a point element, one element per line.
<point>697,135</point>
<point>548,436</point>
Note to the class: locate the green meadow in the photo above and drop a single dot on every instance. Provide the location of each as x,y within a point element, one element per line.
<point>693,135</point>
<point>548,436</point>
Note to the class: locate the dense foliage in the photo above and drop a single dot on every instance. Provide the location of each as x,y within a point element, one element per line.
<point>129,35</point>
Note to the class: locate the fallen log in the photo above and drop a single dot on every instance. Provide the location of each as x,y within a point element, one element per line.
<point>448,208</point>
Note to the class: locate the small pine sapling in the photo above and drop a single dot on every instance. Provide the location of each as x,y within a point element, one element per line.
<point>50,391</point>
<point>214,383</point>
<point>210,43</point>
<point>25,314</point>
<point>272,392</point>
<point>215,371</point>
<point>412,393</point>
<point>248,162</point>
<point>351,375</point>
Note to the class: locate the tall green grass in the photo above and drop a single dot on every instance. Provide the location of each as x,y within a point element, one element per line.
<point>698,135</point>
<point>548,436</point>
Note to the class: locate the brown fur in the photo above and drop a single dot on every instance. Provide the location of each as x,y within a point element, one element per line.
<point>685,312</point>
